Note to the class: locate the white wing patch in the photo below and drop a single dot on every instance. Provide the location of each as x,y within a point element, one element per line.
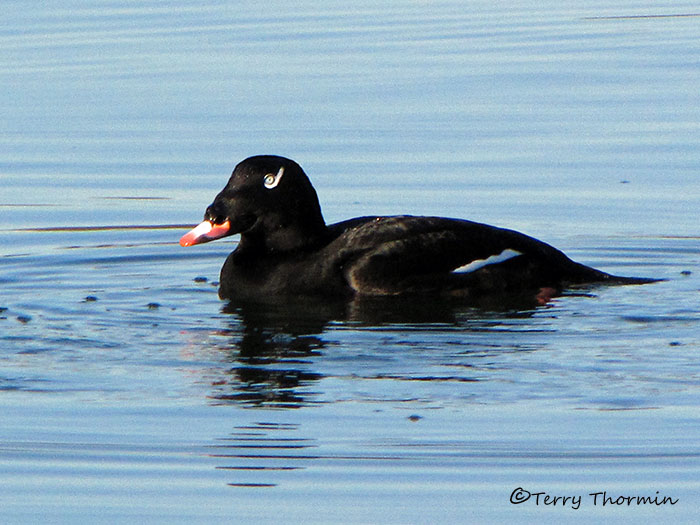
<point>493,259</point>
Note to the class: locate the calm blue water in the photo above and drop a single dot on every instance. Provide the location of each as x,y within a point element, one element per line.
<point>130,393</point>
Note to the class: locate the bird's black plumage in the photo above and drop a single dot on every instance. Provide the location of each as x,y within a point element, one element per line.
<point>287,249</point>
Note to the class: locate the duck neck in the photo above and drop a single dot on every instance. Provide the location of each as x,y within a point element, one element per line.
<point>276,235</point>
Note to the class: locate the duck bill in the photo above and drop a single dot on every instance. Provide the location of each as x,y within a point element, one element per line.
<point>205,232</point>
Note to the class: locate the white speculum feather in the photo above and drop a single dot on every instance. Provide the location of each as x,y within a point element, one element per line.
<point>271,181</point>
<point>493,259</point>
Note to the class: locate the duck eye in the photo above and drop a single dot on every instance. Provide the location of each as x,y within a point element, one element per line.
<point>271,181</point>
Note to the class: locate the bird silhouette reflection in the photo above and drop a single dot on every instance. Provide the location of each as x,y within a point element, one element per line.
<point>276,343</point>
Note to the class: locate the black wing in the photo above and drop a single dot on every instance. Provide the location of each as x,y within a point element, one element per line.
<point>391,255</point>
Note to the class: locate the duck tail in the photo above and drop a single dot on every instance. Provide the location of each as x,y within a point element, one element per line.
<point>618,279</point>
<point>583,274</point>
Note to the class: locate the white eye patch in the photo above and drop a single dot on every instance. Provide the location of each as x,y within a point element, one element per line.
<point>494,259</point>
<point>271,181</point>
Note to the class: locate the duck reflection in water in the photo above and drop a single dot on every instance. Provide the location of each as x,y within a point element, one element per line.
<point>275,343</point>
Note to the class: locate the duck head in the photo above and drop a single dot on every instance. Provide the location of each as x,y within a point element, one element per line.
<point>270,201</point>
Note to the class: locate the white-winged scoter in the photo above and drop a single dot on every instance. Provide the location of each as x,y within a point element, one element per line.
<point>286,248</point>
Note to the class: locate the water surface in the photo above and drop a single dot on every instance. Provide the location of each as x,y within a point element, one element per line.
<point>129,392</point>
